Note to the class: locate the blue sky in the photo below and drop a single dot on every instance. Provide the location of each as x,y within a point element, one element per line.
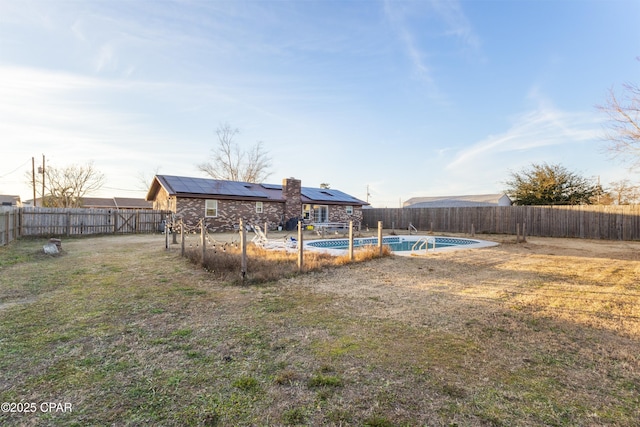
<point>407,98</point>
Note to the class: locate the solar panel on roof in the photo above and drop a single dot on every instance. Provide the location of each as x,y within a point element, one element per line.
<point>327,195</point>
<point>272,186</point>
<point>214,187</point>
<point>206,186</point>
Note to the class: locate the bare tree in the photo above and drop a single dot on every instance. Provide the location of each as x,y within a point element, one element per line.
<point>229,162</point>
<point>65,187</point>
<point>623,126</point>
<point>624,192</point>
<point>145,179</point>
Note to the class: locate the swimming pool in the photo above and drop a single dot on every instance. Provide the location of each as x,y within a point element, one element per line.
<point>400,245</point>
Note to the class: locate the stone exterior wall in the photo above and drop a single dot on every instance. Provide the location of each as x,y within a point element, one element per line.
<point>230,212</point>
<point>292,194</point>
<point>338,213</point>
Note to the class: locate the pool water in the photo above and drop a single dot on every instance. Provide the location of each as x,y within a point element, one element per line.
<point>410,245</point>
<point>406,244</point>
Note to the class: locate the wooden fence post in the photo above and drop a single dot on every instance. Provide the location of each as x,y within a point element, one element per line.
<point>518,232</point>
<point>300,247</point>
<point>5,240</point>
<point>203,239</point>
<point>350,240</point>
<point>181,237</point>
<point>243,250</point>
<point>473,230</point>
<point>166,236</point>
<point>380,237</point>
<point>524,232</point>
<point>174,231</point>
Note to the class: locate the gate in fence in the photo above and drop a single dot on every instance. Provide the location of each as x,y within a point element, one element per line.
<point>48,222</point>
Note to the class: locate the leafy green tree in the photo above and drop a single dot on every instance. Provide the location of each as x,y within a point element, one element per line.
<point>544,184</point>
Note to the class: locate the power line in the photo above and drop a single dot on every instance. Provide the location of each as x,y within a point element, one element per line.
<point>124,189</point>
<point>7,174</point>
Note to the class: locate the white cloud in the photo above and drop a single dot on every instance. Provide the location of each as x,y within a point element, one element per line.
<point>105,57</point>
<point>543,127</point>
<point>74,119</point>
<point>457,23</point>
<point>447,14</point>
<point>396,16</point>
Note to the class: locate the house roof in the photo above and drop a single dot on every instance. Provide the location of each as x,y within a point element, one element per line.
<point>457,201</point>
<point>115,203</point>
<point>108,203</point>
<point>6,200</point>
<point>205,187</point>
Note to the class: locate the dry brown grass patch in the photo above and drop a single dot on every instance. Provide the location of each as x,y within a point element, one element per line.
<point>265,265</point>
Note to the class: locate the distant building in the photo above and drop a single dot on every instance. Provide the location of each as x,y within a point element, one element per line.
<point>458,201</point>
<point>119,203</point>
<point>6,200</point>
<point>115,203</point>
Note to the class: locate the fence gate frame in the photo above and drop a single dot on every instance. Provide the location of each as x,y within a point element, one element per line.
<point>119,225</point>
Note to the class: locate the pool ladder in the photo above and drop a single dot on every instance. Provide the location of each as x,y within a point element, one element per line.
<point>423,243</point>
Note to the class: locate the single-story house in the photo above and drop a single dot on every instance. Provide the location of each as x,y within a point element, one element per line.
<point>458,201</point>
<point>222,204</point>
<point>6,200</point>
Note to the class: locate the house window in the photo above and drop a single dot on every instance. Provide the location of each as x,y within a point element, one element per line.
<point>210,208</point>
<point>349,210</point>
<point>306,212</point>
<point>258,207</point>
<point>320,213</point>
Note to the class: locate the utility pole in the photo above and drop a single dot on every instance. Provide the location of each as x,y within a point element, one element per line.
<point>33,179</point>
<point>42,200</point>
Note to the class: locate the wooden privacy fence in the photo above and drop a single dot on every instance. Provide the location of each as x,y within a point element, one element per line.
<point>588,222</point>
<point>9,225</point>
<point>77,222</point>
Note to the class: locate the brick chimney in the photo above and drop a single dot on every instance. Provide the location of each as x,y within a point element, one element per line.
<point>292,195</point>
